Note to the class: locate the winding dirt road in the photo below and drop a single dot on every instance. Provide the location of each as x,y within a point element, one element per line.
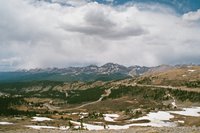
<point>108,92</point>
<point>53,108</point>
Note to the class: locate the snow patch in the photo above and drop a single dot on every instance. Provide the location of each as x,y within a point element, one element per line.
<point>190,70</point>
<point>6,123</point>
<point>47,127</point>
<point>184,75</point>
<point>155,124</point>
<point>41,119</point>
<point>63,128</point>
<point>110,117</point>
<point>157,119</point>
<point>87,126</point>
<point>174,104</point>
<point>179,121</point>
<point>156,116</point>
<point>40,127</point>
<point>194,111</point>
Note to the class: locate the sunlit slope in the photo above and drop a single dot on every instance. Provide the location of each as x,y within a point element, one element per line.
<point>178,76</point>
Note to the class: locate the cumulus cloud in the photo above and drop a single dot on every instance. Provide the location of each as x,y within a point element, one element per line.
<point>60,33</point>
<point>103,23</point>
<point>192,16</point>
<point>66,2</point>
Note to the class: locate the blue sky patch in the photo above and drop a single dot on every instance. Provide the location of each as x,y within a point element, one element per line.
<point>181,6</point>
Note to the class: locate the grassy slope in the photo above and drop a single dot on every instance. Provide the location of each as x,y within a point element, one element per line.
<point>26,76</point>
<point>185,76</point>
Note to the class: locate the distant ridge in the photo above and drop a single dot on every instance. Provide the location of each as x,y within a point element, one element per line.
<point>106,72</point>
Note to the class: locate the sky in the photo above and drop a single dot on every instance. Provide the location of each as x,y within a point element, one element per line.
<point>63,33</point>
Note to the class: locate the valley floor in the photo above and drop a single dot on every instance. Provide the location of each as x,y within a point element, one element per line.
<point>130,130</point>
<point>127,107</point>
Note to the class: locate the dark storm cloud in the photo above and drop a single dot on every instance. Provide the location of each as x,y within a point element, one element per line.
<point>101,23</point>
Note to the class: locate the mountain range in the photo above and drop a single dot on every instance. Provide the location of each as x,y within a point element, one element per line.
<point>106,72</point>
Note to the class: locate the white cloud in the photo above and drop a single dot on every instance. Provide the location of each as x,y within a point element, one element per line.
<point>192,16</point>
<point>71,2</point>
<point>48,34</point>
<point>99,20</point>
